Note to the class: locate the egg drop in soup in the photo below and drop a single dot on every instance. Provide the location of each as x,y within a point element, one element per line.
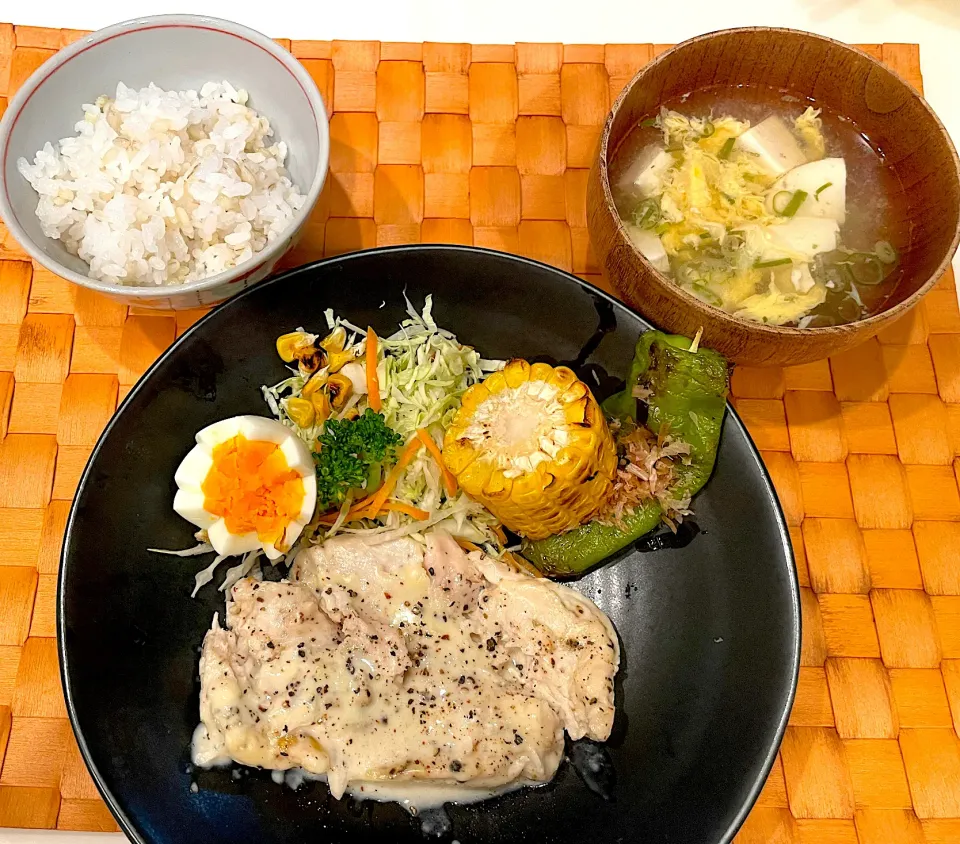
<point>764,205</point>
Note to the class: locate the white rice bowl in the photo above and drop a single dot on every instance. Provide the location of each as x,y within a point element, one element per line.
<point>165,187</point>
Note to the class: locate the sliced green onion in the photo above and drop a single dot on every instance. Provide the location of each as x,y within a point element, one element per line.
<point>849,282</point>
<point>708,129</point>
<point>868,271</point>
<point>647,214</point>
<point>781,199</point>
<point>820,321</point>
<point>848,309</point>
<point>821,189</point>
<point>834,277</point>
<point>885,252</point>
<point>727,148</point>
<point>705,235</point>
<point>706,294</point>
<point>779,262</point>
<point>687,272</point>
<point>794,204</point>
<point>649,123</point>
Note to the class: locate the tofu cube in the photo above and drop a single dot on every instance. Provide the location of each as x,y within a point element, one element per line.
<point>830,202</point>
<point>800,239</point>
<point>644,175</point>
<point>773,146</point>
<point>649,245</point>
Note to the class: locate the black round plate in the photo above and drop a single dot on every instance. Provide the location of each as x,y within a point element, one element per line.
<point>710,632</point>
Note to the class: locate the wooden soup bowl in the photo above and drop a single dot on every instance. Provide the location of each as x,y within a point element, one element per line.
<point>839,78</point>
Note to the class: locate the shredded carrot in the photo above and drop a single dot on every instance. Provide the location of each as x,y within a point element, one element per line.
<point>373,381</point>
<point>449,481</point>
<point>403,507</point>
<point>467,545</point>
<point>359,508</point>
<point>362,510</point>
<point>355,509</point>
<point>409,452</point>
<point>367,508</point>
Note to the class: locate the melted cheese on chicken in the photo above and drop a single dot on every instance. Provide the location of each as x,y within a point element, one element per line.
<point>387,665</point>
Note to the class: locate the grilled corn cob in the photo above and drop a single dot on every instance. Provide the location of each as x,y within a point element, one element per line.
<point>531,444</point>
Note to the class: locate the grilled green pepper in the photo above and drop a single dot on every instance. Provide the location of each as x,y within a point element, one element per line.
<point>687,395</point>
<point>574,552</point>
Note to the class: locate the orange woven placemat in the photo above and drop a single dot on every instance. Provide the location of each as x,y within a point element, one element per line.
<point>490,145</point>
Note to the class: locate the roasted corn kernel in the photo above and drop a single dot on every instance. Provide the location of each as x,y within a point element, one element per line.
<point>294,345</point>
<point>532,445</point>
<point>315,382</point>
<point>301,411</point>
<point>337,360</point>
<point>321,405</point>
<point>312,362</point>
<point>339,388</point>
<point>335,340</point>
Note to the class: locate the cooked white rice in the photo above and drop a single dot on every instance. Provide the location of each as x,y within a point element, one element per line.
<point>164,187</point>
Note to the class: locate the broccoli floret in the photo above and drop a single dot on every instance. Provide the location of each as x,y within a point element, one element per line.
<point>345,451</point>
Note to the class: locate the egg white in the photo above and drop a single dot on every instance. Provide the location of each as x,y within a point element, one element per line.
<point>193,469</point>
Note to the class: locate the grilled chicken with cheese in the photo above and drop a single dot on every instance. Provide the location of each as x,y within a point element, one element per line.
<point>386,664</point>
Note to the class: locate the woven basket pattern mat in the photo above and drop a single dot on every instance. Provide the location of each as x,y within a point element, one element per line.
<point>490,145</point>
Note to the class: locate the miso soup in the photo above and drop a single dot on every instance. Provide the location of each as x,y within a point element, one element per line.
<point>763,205</point>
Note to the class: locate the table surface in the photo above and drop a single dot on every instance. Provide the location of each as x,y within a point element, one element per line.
<point>490,145</point>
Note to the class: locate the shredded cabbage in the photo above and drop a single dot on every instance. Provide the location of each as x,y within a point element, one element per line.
<point>241,570</point>
<point>462,518</point>
<point>423,373</point>
<point>202,578</point>
<point>196,551</point>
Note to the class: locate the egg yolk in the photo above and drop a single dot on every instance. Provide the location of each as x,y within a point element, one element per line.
<point>253,489</point>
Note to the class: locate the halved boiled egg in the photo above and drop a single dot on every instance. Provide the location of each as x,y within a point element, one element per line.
<point>250,483</point>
